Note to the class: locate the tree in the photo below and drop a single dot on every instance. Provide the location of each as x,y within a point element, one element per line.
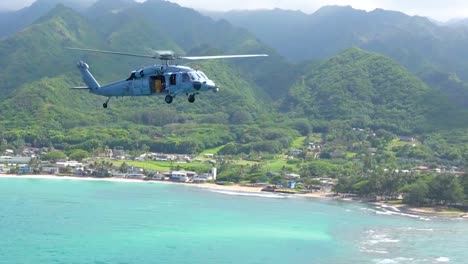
<point>79,154</point>
<point>446,189</point>
<point>3,145</point>
<point>464,183</point>
<point>54,156</point>
<point>303,126</point>
<point>123,168</point>
<point>240,117</point>
<point>416,193</point>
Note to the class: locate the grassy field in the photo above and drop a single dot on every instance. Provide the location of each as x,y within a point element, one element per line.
<point>211,151</point>
<point>277,164</point>
<point>397,143</point>
<point>164,166</point>
<point>298,142</point>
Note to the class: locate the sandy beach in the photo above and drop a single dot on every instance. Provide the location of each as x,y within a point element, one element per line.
<point>211,186</point>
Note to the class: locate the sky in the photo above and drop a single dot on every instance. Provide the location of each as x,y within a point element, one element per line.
<point>441,10</point>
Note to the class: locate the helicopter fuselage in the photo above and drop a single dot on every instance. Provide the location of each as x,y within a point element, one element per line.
<point>168,80</point>
<point>159,80</point>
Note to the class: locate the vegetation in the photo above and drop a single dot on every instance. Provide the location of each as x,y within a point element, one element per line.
<point>343,118</point>
<point>418,189</point>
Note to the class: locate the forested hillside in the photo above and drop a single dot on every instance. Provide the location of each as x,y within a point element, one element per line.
<point>353,104</point>
<point>414,41</point>
<point>433,52</point>
<point>39,109</point>
<point>369,89</point>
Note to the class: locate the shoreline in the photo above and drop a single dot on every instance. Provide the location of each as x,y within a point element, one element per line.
<point>388,207</point>
<point>211,186</point>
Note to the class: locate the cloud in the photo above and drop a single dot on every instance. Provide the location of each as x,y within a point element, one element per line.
<point>14,5</point>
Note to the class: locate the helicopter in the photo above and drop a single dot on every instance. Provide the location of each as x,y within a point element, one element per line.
<point>165,79</point>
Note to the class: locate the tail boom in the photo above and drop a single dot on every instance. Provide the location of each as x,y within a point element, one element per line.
<point>88,78</point>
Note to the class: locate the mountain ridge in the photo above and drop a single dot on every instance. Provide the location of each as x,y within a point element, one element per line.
<point>264,104</point>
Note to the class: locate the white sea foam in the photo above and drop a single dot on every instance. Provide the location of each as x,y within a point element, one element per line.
<point>384,211</point>
<point>417,229</point>
<point>277,196</point>
<point>375,238</point>
<point>394,260</point>
<point>442,259</point>
<point>374,251</point>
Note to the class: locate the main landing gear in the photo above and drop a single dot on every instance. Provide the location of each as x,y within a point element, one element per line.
<point>169,98</point>
<point>191,98</point>
<point>105,104</point>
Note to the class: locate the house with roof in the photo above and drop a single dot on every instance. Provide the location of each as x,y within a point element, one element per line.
<point>49,169</point>
<point>178,176</point>
<point>25,170</point>
<point>14,160</point>
<point>407,139</point>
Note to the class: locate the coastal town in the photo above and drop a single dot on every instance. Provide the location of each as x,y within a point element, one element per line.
<point>116,164</point>
<point>103,167</point>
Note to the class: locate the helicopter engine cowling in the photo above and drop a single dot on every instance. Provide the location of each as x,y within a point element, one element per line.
<point>149,71</point>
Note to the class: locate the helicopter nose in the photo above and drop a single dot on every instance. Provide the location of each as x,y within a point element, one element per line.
<point>212,86</point>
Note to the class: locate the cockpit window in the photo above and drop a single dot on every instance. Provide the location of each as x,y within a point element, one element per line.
<point>203,75</point>
<point>193,76</point>
<point>185,77</point>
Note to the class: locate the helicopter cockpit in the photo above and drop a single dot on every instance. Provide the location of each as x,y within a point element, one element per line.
<point>197,76</point>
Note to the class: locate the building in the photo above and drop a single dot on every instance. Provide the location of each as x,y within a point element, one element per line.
<point>49,169</point>
<point>407,139</point>
<point>210,176</point>
<point>71,164</point>
<point>25,170</point>
<point>292,184</point>
<point>295,152</point>
<point>135,176</point>
<point>14,160</point>
<point>178,176</point>
<point>292,176</point>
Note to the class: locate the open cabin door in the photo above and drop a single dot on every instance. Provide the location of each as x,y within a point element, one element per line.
<point>158,84</point>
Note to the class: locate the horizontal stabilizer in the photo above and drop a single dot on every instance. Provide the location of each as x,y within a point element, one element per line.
<point>81,87</point>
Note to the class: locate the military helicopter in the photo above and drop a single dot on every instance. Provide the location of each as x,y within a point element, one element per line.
<point>165,79</point>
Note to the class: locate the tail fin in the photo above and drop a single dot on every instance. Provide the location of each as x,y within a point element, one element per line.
<point>88,78</point>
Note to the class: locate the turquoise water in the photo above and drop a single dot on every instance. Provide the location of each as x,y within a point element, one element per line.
<point>65,221</point>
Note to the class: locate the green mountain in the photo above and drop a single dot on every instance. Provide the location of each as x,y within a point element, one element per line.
<point>37,51</point>
<point>195,34</point>
<point>38,107</point>
<point>423,47</point>
<point>370,90</point>
<point>14,21</point>
<point>264,105</point>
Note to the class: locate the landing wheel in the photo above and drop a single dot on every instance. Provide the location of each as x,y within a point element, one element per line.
<point>105,104</point>
<point>168,98</point>
<point>191,98</point>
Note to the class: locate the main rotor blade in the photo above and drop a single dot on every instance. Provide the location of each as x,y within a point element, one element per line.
<point>223,57</point>
<point>116,53</point>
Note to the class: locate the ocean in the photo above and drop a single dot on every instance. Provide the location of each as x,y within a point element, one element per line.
<point>70,221</point>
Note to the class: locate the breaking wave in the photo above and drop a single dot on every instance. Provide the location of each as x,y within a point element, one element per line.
<point>265,195</point>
